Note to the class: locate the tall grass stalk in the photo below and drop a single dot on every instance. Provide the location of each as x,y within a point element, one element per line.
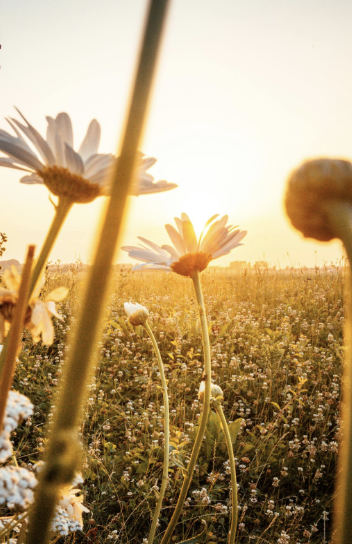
<point>204,416</point>
<point>340,216</point>
<point>166,434</point>
<point>14,336</point>
<point>62,452</point>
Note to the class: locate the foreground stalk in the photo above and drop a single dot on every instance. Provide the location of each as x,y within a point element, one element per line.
<point>63,446</point>
<point>204,416</point>
<point>234,516</point>
<point>340,216</point>
<point>166,435</point>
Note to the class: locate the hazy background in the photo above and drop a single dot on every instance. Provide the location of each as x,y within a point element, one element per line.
<point>244,92</point>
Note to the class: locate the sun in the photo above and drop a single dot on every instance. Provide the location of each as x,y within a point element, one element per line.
<point>200,207</point>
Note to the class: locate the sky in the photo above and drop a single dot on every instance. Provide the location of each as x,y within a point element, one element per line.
<point>244,92</point>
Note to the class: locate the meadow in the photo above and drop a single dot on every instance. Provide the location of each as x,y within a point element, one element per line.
<point>277,348</point>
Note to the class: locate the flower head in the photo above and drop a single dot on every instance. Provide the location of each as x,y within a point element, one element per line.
<point>188,254</point>
<point>38,313</point>
<point>215,391</point>
<point>81,175</point>
<point>136,313</point>
<point>310,187</point>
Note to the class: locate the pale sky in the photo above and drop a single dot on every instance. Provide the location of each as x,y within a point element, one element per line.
<point>245,91</point>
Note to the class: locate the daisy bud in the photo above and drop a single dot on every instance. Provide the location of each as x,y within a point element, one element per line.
<point>310,187</point>
<point>215,391</point>
<point>137,314</point>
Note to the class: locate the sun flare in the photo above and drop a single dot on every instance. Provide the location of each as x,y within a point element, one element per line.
<point>200,206</point>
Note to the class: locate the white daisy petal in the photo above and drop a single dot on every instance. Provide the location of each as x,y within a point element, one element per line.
<point>176,239</point>
<point>189,236</point>
<point>9,163</point>
<point>50,133</point>
<point>143,188</point>
<point>59,149</point>
<point>37,140</point>
<point>18,134</point>
<point>90,144</point>
<point>73,160</point>
<point>64,127</point>
<point>20,154</point>
<point>32,179</point>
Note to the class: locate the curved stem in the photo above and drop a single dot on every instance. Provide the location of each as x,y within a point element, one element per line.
<point>234,516</point>
<point>340,217</point>
<point>166,435</point>
<point>61,213</point>
<point>204,415</point>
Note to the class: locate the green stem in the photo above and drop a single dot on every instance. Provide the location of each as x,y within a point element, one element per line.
<point>225,427</point>
<point>166,435</point>
<point>204,416</point>
<point>61,458</point>
<point>61,213</point>
<point>340,217</point>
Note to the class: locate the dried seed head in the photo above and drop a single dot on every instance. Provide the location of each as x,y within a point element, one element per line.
<point>310,187</point>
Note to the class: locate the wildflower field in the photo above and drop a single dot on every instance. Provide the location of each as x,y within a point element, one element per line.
<point>276,347</point>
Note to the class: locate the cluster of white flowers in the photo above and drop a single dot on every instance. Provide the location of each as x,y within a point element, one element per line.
<point>16,487</point>
<point>62,524</point>
<point>18,408</point>
<point>5,446</point>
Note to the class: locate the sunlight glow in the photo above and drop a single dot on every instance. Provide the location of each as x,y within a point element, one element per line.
<point>200,207</point>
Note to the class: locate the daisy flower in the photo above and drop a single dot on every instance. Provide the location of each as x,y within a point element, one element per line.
<point>79,175</point>
<point>188,254</point>
<point>136,313</point>
<point>39,312</point>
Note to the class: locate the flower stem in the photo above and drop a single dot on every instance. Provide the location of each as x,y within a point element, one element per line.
<point>340,217</point>
<point>63,446</point>
<point>61,213</point>
<point>225,428</point>
<point>204,416</point>
<point>14,336</point>
<point>166,434</point>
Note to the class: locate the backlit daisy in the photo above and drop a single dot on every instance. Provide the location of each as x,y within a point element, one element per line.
<point>81,175</point>
<point>188,254</point>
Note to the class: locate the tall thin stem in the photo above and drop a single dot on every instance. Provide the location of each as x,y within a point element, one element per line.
<point>61,213</point>
<point>340,217</point>
<point>166,434</point>
<point>204,416</point>
<point>63,446</point>
<point>225,427</point>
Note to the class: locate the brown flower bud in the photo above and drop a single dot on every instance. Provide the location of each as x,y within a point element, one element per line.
<point>310,187</point>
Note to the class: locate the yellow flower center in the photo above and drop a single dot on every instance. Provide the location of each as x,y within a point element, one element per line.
<point>191,262</point>
<point>61,182</point>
